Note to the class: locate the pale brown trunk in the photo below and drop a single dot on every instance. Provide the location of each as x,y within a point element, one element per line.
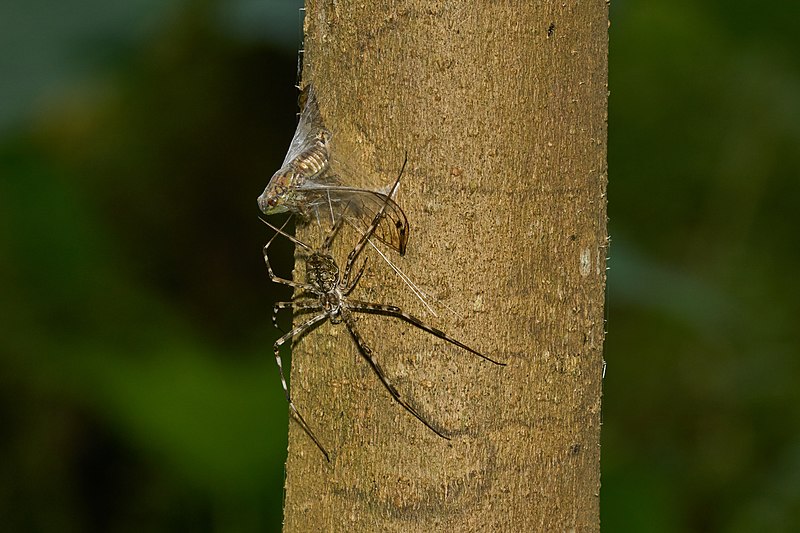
<point>501,107</point>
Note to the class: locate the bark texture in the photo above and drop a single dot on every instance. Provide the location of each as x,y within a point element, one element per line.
<point>501,107</point>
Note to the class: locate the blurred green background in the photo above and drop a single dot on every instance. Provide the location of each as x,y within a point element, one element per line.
<point>137,387</point>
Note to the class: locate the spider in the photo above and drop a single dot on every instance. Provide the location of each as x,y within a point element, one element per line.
<point>328,290</point>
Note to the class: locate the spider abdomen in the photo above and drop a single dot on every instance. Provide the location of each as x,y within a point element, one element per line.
<point>322,272</point>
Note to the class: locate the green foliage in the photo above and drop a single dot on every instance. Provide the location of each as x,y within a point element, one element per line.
<point>139,392</point>
<point>701,402</point>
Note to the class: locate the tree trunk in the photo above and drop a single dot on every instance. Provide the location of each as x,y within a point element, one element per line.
<point>501,107</point>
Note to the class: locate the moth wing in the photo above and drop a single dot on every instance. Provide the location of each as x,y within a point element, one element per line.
<point>361,206</point>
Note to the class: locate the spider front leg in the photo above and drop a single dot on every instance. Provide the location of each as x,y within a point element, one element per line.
<point>272,276</point>
<point>276,279</point>
<point>362,242</point>
<point>366,351</point>
<point>396,312</point>
<point>349,288</point>
<point>276,348</point>
<point>336,224</point>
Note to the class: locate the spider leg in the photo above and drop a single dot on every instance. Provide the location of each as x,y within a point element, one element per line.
<point>276,348</point>
<point>366,351</point>
<point>419,293</point>
<point>394,311</point>
<point>362,242</point>
<point>330,207</point>
<point>279,231</point>
<point>276,279</point>
<point>299,306</point>
<point>326,245</point>
<point>352,285</point>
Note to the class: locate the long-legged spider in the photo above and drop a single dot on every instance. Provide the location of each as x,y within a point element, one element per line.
<point>328,291</point>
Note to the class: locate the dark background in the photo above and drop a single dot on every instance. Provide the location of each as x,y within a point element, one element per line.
<point>138,391</point>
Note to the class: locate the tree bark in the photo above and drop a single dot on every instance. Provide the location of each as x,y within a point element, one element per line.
<point>502,109</point>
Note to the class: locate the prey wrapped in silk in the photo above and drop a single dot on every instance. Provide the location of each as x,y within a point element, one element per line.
<point>307,185</point>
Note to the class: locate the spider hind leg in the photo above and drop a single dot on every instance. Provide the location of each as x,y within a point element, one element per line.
<point>368,354</point>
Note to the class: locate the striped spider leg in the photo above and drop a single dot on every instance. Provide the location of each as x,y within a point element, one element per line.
<point>326,292</point>
<point>297,330</point>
